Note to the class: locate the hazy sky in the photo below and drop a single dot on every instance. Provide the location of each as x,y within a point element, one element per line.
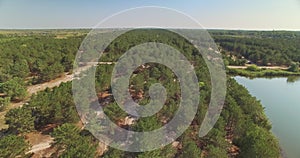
<point>222,14</point>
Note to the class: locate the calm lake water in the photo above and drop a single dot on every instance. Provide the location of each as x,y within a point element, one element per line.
<point>281,99</point>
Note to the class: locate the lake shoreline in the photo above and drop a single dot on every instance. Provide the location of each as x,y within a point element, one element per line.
<point>261,72</point>
<point>281,112</point>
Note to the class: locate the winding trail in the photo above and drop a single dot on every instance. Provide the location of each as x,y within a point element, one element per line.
<point>45,143</point>
<point>262,67</point>
<point>33,89</point>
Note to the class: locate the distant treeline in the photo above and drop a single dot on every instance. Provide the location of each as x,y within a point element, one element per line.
<point>42,56</point>
<point>259,47</point>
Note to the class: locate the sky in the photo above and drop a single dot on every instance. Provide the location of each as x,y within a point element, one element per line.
<point>212,14</point>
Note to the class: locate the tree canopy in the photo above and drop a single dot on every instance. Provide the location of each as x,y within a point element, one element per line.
<point>12,146</point>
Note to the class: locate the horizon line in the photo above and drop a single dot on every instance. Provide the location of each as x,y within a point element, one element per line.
<point>82,28</point>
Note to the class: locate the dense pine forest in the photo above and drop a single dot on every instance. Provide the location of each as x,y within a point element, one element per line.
<point>32,57</point>
<point>259,47</point>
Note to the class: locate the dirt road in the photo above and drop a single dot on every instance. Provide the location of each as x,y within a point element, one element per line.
<point>40,87</point>
<point>262,67</point>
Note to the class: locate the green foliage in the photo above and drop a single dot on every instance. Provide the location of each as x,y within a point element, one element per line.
<point>54,106</point>
<point>15,88</point>
<point>241,108</point>
<point>233,60</point>
<point>147,124</point>
<point>114,153</point>
<point>259,143</point>
<point>37,54</point>
<point>4,102</point>
<point>47,107</point>
<point>155,153</point>
<point>168,151</point>
<point>114,112</point>
<point>47,57</point>
<point>250,106</point>
<point>260,47</point>
<point>216,152</point>
<point>294,67</point>
<point>217,134</point>
<point>50,72</point>
<point>65,134</point>
<point>190,149</point>
<point>68,139</point>
<point>292,79</point>
<point>165,152</point>
<point>262,73</point>
<point>201,84</point>
<point>250,125</point>
<point>19,68</point>
<point>12,146</point>
<point>82,149</point>
<point>253,68</point>
<point>20,120</point>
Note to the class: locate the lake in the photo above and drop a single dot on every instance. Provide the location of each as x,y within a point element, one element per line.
<point>281,99</point>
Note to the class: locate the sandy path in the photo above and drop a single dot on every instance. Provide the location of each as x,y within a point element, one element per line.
<point>262,67</point>
<point>40,87</point>
<point>41,146</point>
<point>32,90</point>
<point>46,142</point>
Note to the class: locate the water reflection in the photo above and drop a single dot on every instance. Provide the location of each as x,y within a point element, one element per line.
<point>293,79</point>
